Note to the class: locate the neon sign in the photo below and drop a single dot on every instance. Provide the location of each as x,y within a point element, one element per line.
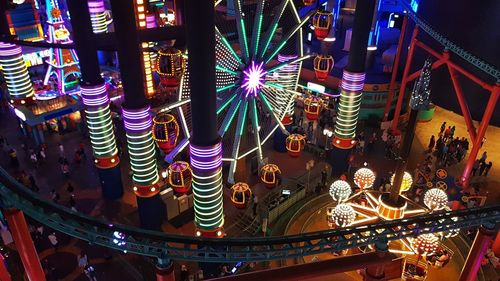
<point>36,58</point>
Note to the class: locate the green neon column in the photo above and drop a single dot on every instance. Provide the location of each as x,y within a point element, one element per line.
<point>16,74</point>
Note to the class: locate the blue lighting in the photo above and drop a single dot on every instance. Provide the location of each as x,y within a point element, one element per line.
<point>414,5</point>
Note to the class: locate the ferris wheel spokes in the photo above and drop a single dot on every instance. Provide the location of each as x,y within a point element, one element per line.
<point>228,119</point>
<point>240,26</point>
<point>287,63</point>
<point>257,26</point>
<point>266,40</point>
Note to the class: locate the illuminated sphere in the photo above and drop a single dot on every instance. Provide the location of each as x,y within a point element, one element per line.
<point>435,199</point>
<point>340,191</point>
<point>364,178</point>
<point>343,215</point>
<point>170,65</point>
<point>240,195</point>
<point>322,22</point>
<point>269,175</point>
<point>312,107</point>
<point>165,131</point>
<point>406,183</point>
<point>425,244</point>
<point>180,176</point>
<point>323,65</point>
<point>295,144</point>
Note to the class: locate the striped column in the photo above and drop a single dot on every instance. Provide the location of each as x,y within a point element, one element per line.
<point>206,162</point>
<point>16,74</point>
<point>100,125</point>
<point>98,16</point>
<point>141,149</point>
<point>347,115</point>
<point>288,77</point>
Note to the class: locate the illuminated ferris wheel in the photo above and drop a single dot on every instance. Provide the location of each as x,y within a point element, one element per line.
<point>258,61</point>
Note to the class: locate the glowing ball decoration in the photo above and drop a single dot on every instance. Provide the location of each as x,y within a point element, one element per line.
<point>323,65</point>
<point>406,183</point>
<point>425,244</point>
<point>170,65</point>
<point>312,107</point>
<point>343,215</point>
<point>180,176</point>
<point>340,191</point>
<point>435,199</point>
<point>240,195</point>
<point>322,22</point>
<point>270,175</point>
<point>165,131</point>
<point>254,78</point>
<point>295,144</point>
<point>364,178</point>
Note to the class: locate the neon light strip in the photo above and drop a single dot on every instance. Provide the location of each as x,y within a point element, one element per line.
<point>15,72</point>
<point>350,101</point>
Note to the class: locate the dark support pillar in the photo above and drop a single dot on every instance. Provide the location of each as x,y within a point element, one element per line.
<point>25,247</point>
<point>205,146</point>
<point>376,271</point>
<point>353,80</point>
<point>476,254</point>
<point>136,117</point>
<point>165,270</point>
<point>96,102</point>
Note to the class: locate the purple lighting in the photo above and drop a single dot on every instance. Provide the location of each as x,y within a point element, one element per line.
<point>95,95</point>
<point>137,120</point>
<point>253,79</point>
<point>353,82</point>
<point>206,158</point>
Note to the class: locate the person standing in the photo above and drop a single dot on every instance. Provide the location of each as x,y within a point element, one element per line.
<point>184,273</point>
<point>255,201</point>
<point>324,176</point>
<point>441,130</point>
<point>83,260</point>
<point>53,241</point>
<point>484,157</point>
<point>487,168</point>
<point>482,166</point>
<point>33,184</point>
<point>14,162</point>
<point>475,167</point>
<point>90,273</point>
<point>61,150</point>
<point>432,143</point>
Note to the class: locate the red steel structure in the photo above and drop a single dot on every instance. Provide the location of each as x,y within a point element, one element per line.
<point>443,58</point>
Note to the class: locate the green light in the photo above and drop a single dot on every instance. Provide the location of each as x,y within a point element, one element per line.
<point>265,101</point>
<point>243,119</point>
<point>276,51</point>
<point>229,47</point>
<point>225,88</point>
<point>275,26</point>
<point>218,67</point>
<point>244,36</point>
<point>232,116</point>
<point>258,34</point>
<point>226,104</point>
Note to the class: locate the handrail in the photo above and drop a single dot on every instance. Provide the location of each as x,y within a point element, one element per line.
<point>164,245</point>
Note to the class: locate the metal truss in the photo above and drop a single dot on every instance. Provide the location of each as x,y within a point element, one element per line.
<point>445,42</point>
<point>169,246</point>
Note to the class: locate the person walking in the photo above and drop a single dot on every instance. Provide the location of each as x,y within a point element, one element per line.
<point>61,150</point>
<point>441,130</point>
<point>324,176</point>
<point>53,241</point>
<point>482,167</point>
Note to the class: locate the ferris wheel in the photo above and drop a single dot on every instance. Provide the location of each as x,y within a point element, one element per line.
<point>258,62</point>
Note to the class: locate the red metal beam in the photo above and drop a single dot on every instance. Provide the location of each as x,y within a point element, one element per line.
<point>416,74</point>
<point>488,112</point>
<point>453,65</point>
<point>402,88</point>
<point>314,270</point>
<point>476,254</point>
<point>463,104</point>
<point>395,68</point>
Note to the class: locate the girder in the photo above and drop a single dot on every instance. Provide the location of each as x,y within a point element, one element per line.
<point>448,44</point>
<point>160,245</point>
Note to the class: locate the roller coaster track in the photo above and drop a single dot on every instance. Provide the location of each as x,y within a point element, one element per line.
<point>448,44</point>
<point>170,246</point>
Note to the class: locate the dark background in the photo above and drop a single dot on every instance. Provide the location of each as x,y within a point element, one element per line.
<point>473,25</point>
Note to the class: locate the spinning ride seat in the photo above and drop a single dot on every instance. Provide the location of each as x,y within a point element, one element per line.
<point>180,176</point>
<point>170,65</point>
<point>240,195</point>
<point>295,144</point>
<point>312,107</point>
<point>165,131</point>
<point>323,65</point>
<point>414,270</point>
<point>322,22</point>
<point>270,175</point>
